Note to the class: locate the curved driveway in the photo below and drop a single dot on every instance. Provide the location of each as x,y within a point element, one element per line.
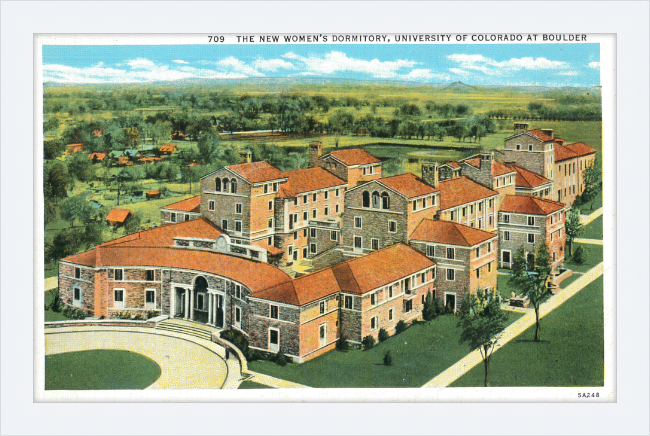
<point>185,363</point>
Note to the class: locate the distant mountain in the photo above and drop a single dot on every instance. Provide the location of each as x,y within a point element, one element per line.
<point>460,86</point>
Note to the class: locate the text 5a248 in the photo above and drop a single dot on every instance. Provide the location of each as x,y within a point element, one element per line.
<point>216,38</point>
<point>588,395</point>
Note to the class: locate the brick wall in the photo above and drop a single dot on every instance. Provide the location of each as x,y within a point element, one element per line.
<point>287,323</point>
<point>225,203</point>
<point>86,283</point>
<point>311,319</point>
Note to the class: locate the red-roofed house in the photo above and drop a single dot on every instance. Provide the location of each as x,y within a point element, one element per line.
<point>526,221</point>
<point>464,201</point>
<point>354,165</point>
<point>184,210</point>
<point>570,162</point>
<point>484,169</point>
<point>118,216</point>
<point>97,156</point>
<point>466,258</point>
<point>530,183</point>
<point>75,148</point>
<point>381,212</point>
<point>533,149</point>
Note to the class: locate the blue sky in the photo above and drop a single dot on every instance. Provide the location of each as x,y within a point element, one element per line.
<point>479,64</point>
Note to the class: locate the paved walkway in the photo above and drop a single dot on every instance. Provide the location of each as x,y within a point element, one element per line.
<point>51,283</point>
<point>185,362</point>
<point>273,382</point>
<point>588,241</point>
<point>586,219</point>
<point>474,358</point>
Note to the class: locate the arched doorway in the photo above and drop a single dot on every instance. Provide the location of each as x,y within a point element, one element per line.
<point>201,299</point>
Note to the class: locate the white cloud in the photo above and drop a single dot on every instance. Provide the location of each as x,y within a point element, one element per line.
<point>568,73</point>
<point>272,64</point>
<point>423,74</point>
<point>141,63</point>
<point>459,71</point>
<point>234,64</point>
<point>179,61</point>
<point>337,61</point>
<point>594,65</point>
<point>492,67</point>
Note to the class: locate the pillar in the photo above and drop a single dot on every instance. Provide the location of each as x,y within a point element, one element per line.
<point>191,303</point>
<point>187,304</point>
<point>172,304</point>
<point>214,309</point>
<point>210,298</point>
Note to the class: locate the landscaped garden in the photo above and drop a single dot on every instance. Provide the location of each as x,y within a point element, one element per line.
<point>593,230</point>
<point>592,256</point>
<point>418,355</point>
<point>98,370</point>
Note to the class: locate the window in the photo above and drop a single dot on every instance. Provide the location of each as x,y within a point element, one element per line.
<point>506,236</point>
<point>211,205</point>
<point>333,235</point>
<point>274,311</point>
<point>295,235</point>
<point>226,185</point>
<point>238,226</point>
<point>480,207</point>
<point>149,275</point>
<point>304,233</point>
<point>290,250</point>
<point>518,146</point>
<point>326,194</point>
<point>305,217</point>
<point>490,219</point>
<point>478,251</point>
<point>390,291</point>
<point>314,213</point>
<point>76,296</point>
<point>237,316</point>
<point>305,200</point>
<point>433,273</point>
<point>266,189</point>
<point>238,208</point>
<point>392,226</point>
<point>118,298</point>
<point>323,307</point>
<point>348,302</point>
<point>531,238</point>
<point>217,185</point>
<point>464,211</point>
<point>490,202</point>
<point>173,217</point>
<point>357,222</point>
<point>187,217</point>
<point>276,185</point>
<point>433,200</point>
<point>408,306</point>
<point>452,215</point>
<point>295,201</point>
<point>424,202</point>
<point>312,233</point>
<point>490,267</point>
<point>506,218</point>
<point>374,323</point>
<point>365,199</point>
<point>150,299</point>
<point>531,220</point>
<point>415,205</point>
<point>77,272</point>
<point>312,248</point>
<point>118,274</point>
<point>270,205</point>
<point>270,223</point>
<point>423,276</point>
<point>489,247</point>
<point>451,253</point>
<point>314,197</point>
<point>270,240</point>
<point>375,243</point>
<point>478,273</point>
<point>373,299</point>
<point>471,208</point>
<point>365,171</point>
<point>224,224</point>
<point>375,200</point>
<point>385,200</point>
<point>530,147</point>
<point>390,315</point>
<point>451,275</point>
<point>431,250</point>
<point>233,186</point>
<point>338,191</point>
<point>505,256</point>
<point>337,208</point>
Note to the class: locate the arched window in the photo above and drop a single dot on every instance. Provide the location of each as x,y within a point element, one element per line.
<point>375,200</point>
<point>217,184</point>
<point>226,185</point>
<point>233,186</point>
<point>385,200</point>
<point>366,199</point>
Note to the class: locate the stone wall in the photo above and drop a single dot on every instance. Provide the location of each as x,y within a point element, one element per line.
<point>287,323</point>
<point>86,284</point>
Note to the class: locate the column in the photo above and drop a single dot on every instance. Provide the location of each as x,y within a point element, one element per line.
<point>191,303</point>
<point>187,304</point>
<point>210,297</point>
<point>214,309</point>
<point>172,304</point>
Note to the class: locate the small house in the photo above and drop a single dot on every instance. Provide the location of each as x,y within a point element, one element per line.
<point>153,194</point>
<point>167,149</point>
<point>118,217</point>
<point>97,156</point>
<point>75,148</point>
<point>363,132</point>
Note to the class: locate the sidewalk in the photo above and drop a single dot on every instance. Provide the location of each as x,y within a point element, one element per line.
<point>586,219</point>
<point>51,283</point>
<point>468,362</point>
<point>588,241</point>
<point>273,382</point>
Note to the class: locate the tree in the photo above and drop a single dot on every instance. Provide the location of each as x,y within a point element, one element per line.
<point>161,131</point>
<point>80,167</point>
<point>533,283</point>
<point>429,309</point>
<point>56,181</point>
<point>591,177</point>
<point>481,321</point>
<point>76,208</point>
<point>92,235</point>
<point>572,227</point>
<point>133,224</point>
<point>50,211</point>
<point>64,244</point>
<point>207,146</point>
<point>53,148</point>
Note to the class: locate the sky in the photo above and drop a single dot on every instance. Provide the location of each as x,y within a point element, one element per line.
<point>478,64</point>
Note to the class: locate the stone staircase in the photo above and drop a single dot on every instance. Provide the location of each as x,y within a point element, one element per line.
<point>187,327</point>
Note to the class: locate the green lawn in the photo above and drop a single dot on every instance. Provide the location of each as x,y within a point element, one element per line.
<point>571,352</point>
<point>587,208</point>
<point>419,354</point>
<point>99,369</point>
<point>51,315</point>
<point>593,255</point>
<point>252,385</point>
<point>593,230</point>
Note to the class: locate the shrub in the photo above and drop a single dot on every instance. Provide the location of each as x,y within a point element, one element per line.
<point>342,343</point>
<point>281,359</point>
<point>138,317</point>
<point>388,359</point>
<point>260,355</point>
<point>152,314</point>
<point>239,340</point>
<point>430,309</point>
<point>383,335</point>
<point>401,326</point>
<point>579,256</point>
<point>55,305</point>
<point>368,342</point>
<point>73,313</point>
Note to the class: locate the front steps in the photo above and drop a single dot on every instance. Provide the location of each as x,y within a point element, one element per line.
<point>187,327</point>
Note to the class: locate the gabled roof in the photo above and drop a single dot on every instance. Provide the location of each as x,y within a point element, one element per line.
<point>407,184</point>
<point>308,179</point>
<point>353,156</point>
<point>580,148</point>
<point>541,135</point>
<point>99,155</point>
<point>462,190</point>
<point>530,205</point>
<point>450,233</point>
<point>526,178</point>
<point>118,215</point>
<point>192,204</point>
<point>563,153</point>
<point>498,169</point>
<point>451,163</point>
<point>164,235</point>
<point>167,147</point>
<point>257,172</point>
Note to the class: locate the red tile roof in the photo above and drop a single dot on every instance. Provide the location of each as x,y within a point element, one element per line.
<point>168,148</point>
<point>154,192</point>
<point>256,172</point>
<point>188,205</point>
<point>304,289</point>
<point>541,135</point>
<point>453,164</point>
<point>408,184</point>
<point>529,205</point>
<point>580,148</point>
<point>563,153</point>
<point>447,232</point>
<point>461,190</point>
<point>308,179</point>
<point>164,235</point>
<point>526,178</point>
<point>354,156</point>
<point>99,155</point>
<point>118,215</point>
<point>497,168</point>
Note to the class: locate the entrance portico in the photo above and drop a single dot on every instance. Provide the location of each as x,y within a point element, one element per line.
<point>198,303</point>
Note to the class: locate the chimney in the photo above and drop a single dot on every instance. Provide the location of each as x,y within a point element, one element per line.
<point>315,151</point>
<point>486,158</point>
<point>430,173</point>
<point>245,156</point>
<point>548,132</point>
<point>521,127</point>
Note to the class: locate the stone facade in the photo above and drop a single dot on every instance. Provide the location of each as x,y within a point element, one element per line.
<point>322,236</point>
<point>480,214</point>
<point>174,216</point>
<point>353,175</point>
<point>287,323</point>
<point>530,152</point>
<point>79,277</point>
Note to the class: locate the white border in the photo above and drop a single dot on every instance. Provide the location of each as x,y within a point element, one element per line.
<point>629,20</point>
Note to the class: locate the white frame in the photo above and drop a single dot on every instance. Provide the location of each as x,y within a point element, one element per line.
<point>155,299</point>
<point>321,341</point>
<point>447,274</point>
<point>389,223</point>
<point>274,348</point>
<point>123,305</point>
<point>77,302</point>
<point>238,310</point>
<point>239,206</point>
<point>372,243</point>
<point>360,226</point>
<point>211,205</point>
<point>444,303</point>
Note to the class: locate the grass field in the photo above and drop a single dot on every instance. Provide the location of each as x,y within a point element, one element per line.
<point>571,352</point>
<point>51,315</point>
<point>593,230</point>
<point>99,370</point>
<point>591,206</point>
<point>419,354</point>
<point>593,254</point>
